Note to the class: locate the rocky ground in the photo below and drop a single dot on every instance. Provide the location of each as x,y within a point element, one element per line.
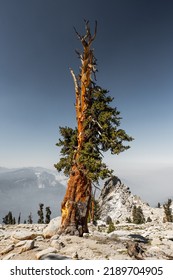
<point>150,240</point>
<point>127,241</point>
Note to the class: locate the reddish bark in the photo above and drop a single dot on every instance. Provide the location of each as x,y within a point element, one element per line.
<point>76,204</point>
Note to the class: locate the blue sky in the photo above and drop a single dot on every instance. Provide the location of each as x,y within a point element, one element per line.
<point>133,46</point>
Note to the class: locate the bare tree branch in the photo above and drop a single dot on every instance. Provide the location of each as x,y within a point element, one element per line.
<point>95,32</point>
<point>75,81</point>
<point>78,35</point>
<point>79,55</point>
<point>87,28</point>
<point>96,186</point>
<point>87,39</point>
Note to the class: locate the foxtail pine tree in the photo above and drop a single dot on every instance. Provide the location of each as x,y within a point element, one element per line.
<point>82,147</point>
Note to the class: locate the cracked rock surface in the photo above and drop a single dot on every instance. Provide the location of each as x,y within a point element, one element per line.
<point>27,242</point>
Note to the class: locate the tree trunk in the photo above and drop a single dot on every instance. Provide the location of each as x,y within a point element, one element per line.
<point>76,203</point>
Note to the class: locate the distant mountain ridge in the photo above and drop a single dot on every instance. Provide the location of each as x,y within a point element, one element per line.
<point>22,189</point>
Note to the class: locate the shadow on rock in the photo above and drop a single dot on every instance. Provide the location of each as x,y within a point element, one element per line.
<point>54,257</point>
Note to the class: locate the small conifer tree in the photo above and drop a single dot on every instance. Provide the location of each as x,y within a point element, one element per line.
<point>128,220</point>
<point>48,214</point>
<point>41,214</point>
<point>111,227</point>
<point>9,219</point>
<point>19,218</point>
<point>137,215</point>
<point>30,221</point>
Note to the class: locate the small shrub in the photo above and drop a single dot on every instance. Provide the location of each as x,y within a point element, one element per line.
<point>138,216</point>
<point>168,211</point>
<point>108,220</point>
<point>111,227</point>
<point>149,220</point>
<point>128,220</point>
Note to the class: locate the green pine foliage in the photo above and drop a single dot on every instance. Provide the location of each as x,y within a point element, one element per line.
<point>102,134</point>
<point>40,214</point>
<point>19,218</point>
<point>128,220</point>
<point>30,221</point>
<point>137,215</point>
<point>9,219</point>
<point>48,214</point>
<point>111,227</point>
<point>69,145</point>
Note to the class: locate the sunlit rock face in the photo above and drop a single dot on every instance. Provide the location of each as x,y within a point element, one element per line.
<point>117,202</point>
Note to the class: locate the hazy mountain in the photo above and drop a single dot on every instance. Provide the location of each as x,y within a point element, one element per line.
<point>21,190</point>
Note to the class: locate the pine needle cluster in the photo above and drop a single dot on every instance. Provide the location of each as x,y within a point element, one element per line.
<point>102,134</point>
